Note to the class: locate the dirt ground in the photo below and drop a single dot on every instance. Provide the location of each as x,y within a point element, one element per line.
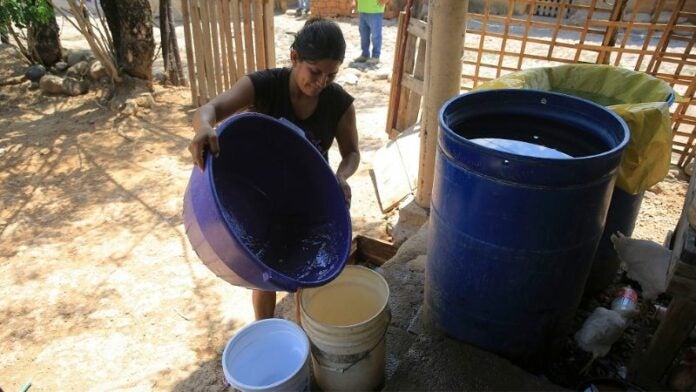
<point>99,287</point>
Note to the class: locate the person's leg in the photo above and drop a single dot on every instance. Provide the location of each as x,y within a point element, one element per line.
<point>298,318</point>
<point>264,303</point>
<point>364,28</point>
<point>298,11</point>
<point>376,29</point>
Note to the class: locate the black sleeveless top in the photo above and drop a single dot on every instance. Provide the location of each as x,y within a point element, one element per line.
<point>272,97</point>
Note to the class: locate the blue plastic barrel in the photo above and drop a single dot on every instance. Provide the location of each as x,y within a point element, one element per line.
<point>268,213</point>
<point>523,181</point>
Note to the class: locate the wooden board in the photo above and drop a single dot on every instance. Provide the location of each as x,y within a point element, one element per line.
<point>394,169</point>
<point>370,250</point>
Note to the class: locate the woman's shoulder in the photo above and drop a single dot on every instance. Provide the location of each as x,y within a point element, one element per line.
<point>269,79</point>
<point>336,90</point>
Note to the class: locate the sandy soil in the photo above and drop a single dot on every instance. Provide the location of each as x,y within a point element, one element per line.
<point>99,287</point>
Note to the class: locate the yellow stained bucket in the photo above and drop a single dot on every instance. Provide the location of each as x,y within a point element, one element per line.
<point>346,322</point>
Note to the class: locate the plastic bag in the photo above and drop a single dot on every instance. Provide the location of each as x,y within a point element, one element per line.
<point>640,99</point>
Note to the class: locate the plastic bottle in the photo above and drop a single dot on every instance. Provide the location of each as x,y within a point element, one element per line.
<point>625,302</point>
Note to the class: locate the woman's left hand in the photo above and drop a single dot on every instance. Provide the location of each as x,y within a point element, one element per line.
<point>347,194</point>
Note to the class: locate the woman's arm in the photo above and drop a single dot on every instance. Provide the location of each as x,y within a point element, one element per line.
<point>240,96</point>
<point>347,138</point>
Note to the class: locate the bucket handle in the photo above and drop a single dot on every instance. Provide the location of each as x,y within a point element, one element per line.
<point>345,369</point>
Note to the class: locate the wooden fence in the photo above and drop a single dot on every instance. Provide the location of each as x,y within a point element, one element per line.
<point>656,37</point>
<point>226,39</point>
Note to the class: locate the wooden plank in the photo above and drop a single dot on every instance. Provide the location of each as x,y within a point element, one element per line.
<point>418,28</point>
<point>681,112</point>
<point>414,103</point>
<point>418,86</point>
<point>374,250</point>
<point>259,42</point>
<point>609,39</point>
<point>238,38</point>
<point>215,38</point>
<point>653,65</point>
<point>525,36</point>
<point>220,6</point>
<point>190,64</point>
<point>199,47</point>
<point>682,273</point>
<point>269,34</point>
<point>626,34</point>
<point>353,257</point>
<point>395,80</point>
<point>229,43</point>
<point>679,320</point>
<point>482,39</point>
<point>248,36</point>
<point>409,62</point>
<point>682,287</point>
<point>215,44</point>
<point>208,49</point>
<point>394,169</point>
<point>506,33</point>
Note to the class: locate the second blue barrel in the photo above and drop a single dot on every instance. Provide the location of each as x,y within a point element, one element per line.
<point>523,181</point>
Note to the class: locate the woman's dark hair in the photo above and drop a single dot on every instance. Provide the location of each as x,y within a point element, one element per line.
<point>320,39</point>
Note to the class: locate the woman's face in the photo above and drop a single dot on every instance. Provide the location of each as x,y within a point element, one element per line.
<point>312,76</point>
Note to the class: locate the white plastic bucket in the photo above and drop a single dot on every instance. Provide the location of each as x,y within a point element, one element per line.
<point>268,355</point>
<point>346,322</point>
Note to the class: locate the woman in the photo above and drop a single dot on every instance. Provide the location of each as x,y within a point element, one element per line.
<point>306,95</point>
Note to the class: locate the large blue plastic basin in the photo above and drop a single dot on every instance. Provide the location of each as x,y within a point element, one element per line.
<point>268,213</point>
<point>514,227</point>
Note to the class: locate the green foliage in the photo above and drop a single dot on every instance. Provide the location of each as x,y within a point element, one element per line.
<point>23,13</point>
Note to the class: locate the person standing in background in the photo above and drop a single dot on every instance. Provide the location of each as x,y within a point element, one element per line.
<point>370,27</point>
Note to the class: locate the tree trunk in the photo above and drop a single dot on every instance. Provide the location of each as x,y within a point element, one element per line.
<point>44,42</point>
<point>170,47</point>
<point>130,22</point>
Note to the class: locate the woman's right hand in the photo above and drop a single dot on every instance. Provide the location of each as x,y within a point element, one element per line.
<point>205,140</point>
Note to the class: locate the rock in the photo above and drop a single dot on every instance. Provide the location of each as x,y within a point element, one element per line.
<point>78,70</point>
<point>689,169</point>
<point>61,66</point>
<point>34,86</point>
<point>73,87</point>
<point>130,108</point>
<point>160,77</point>
<point>51,84</point>
<point>411,219</point>
<point>35,72</point>
<point>381,74</point>
<point>145,100</point>
<point>75,56</point>
<point>97,71</point>
<point>412,247</point>
<point>418,264</point>
<point>348,77</point>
